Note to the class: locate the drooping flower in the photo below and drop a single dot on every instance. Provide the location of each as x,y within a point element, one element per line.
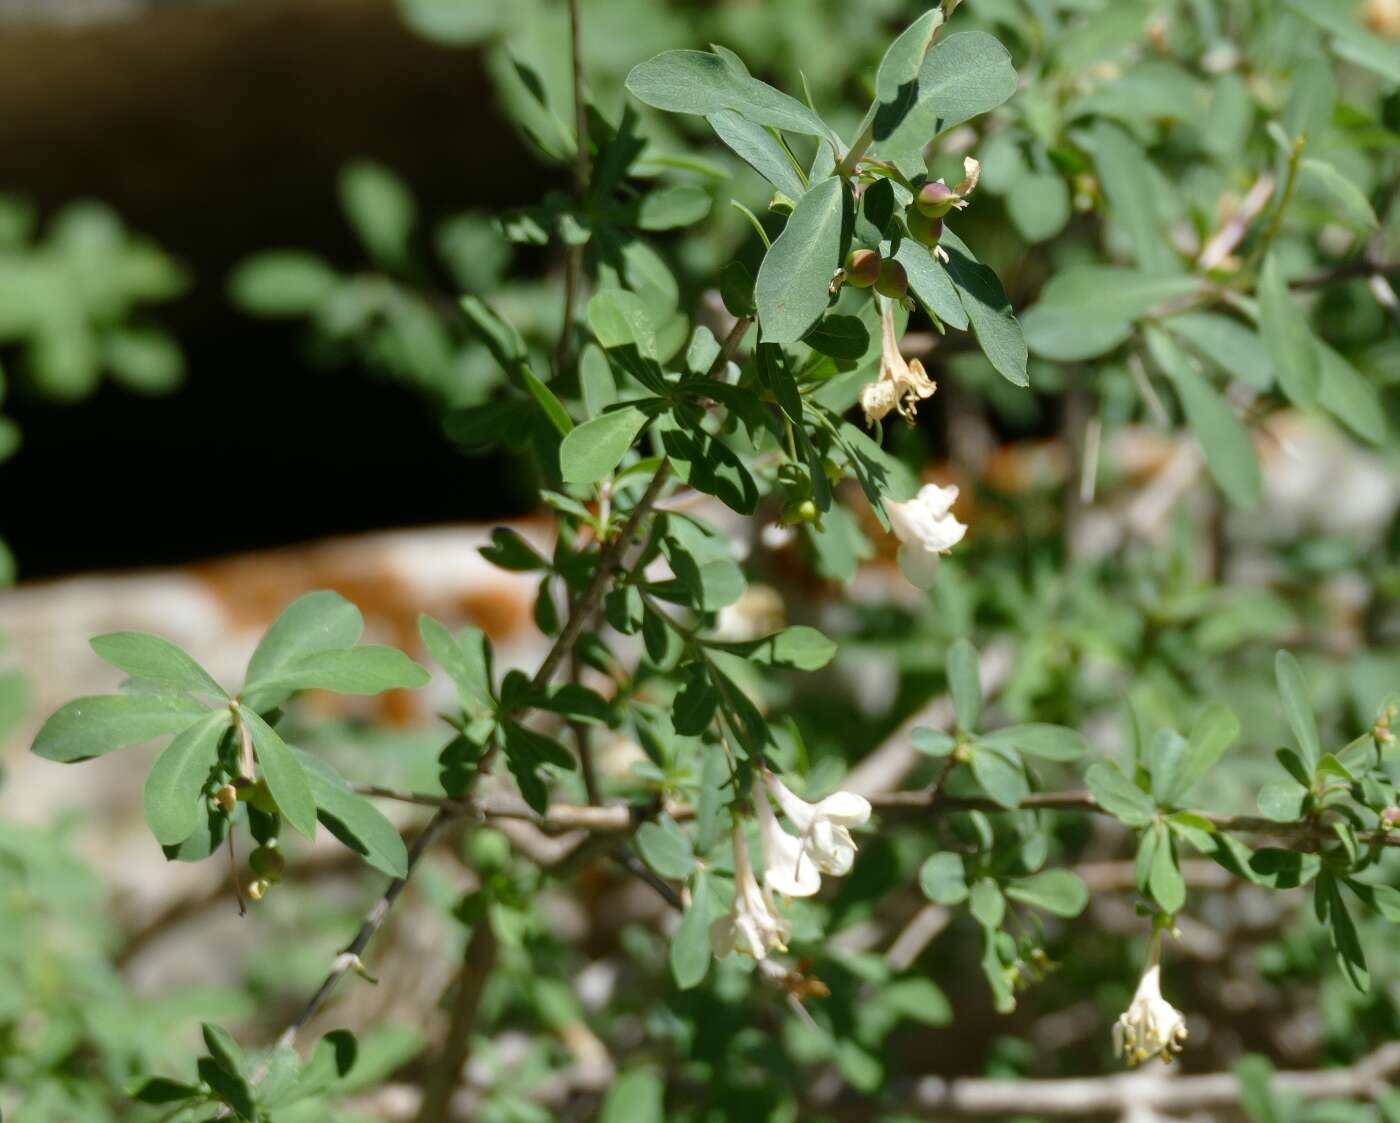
<point>823,828</point>
<point>787,867</point>
<point>753,926</point>
<point>902,385</point>
<point>926,529</point>
<point>1150,1026</point>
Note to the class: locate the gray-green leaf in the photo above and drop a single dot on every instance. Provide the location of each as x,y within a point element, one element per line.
<point>286,779</point>
<point>354,820</point>
<point>157,659</point>
<point>591,451</point>
<point>1290,343</point>
<point>88,727</point>
<point>794,279</point>
<point>174,787</point>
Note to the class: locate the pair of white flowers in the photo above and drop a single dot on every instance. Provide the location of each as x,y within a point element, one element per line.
<point>792,864</point>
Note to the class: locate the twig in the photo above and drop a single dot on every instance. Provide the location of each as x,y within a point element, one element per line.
<point>573,256</point>
<point>973,1097</point>
<point>446,1072</point>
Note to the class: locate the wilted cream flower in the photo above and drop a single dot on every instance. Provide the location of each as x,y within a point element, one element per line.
<point>823,827</point>
<point>901,385</point>
<point>972,173</point>
<point>1150,1026</point>
<point>926,529</point>
<point>753,926</point>
<point>786,865</point>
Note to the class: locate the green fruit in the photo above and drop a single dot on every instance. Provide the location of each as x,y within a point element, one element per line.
<point>922,228</point>
<point>268,863</point>
<point>893,282</point>
<point>935,199</point>
<point>799,511</point>
<point>862,268</point>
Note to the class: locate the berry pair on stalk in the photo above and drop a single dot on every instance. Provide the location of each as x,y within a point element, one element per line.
<point>924,220</point>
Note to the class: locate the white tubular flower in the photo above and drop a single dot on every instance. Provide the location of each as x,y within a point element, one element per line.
<point>753,926</point>
<point>823,827</point>
<point>787,867</point>
<point>1150,1026</point>
<point>902,385</point>
<point>926,528</point>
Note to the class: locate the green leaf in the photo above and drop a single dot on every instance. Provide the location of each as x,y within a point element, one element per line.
<point>174,790</point>
<point>636,1096</point>
<point>526,752</point>
<point>666,848</point>
<point>1348,395</point>
<point>690,946</point>
<point>89,727</point>
<point>1255,1074</point>
<point>1001,775</point>
<point>961,77</point>
<point>794,279</point>
<point>799,648</point>
<point>919,1000</point>
<point>707,464</point>
<point>160,1090</point>
<point>1292,349</point>
<point>1051,742</point>
<point>618,318</point>
<point>704,83</point>
<point>144,359</point>
<point>500,337</point>
<point>841,337</point>
<point>351,818</point>
<point>1126,175</point>
<point>987,903</point>
<point>1283,801</point>
<point>314,622</point>
<point>988,310</point>
<point>1088,310</point>
<point>1340,926</point>
<point>1297,707</point>
<point>1222,435</point>
<point>703,565</point>
<point>1166,759</point>
<point>591,451</point>
<point>934,742</point>
<point>15,700</point>
<point>1349,202</point>
<point>381,209</point>
<point>903,59</point>
<point>943,880</point>
<point>509,550</point>
<point>234,1091</point>
<point>930,283</point>
<point>672,207</point>
<point>278,283</point>
<point>758,148</point>
<point>963,683</point>
<point>368,669</point>
<point>224,1049</point>
<point>286,779</point>
<point>157,660</point>
<point>1118,795</point>
<point>1167,884</point>
<point>1038,205</point>
<point>1227,343</point>
<point>1061,892</point>
<point>714,797</point>
<point>544,398</point>
<point>1215,730</point>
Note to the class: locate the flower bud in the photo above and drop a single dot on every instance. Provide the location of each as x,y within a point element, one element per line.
<point>923,229</point>
<point>227,798</point>
<point>268,863</point>
<point>893,282</point>
<point>257,890</point>
<point>935,199</point>
<point>862,268</point>
<point>1389,817</point>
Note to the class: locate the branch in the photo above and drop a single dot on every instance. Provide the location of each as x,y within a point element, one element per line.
<point>971,1097</point>
<point>446,1073</point>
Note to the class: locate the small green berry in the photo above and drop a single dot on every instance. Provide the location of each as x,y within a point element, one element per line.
<point>893,282</point>
<point>862,268</point>
<point>935,199</point>
<point>268,863</point>
<point>922,228</point>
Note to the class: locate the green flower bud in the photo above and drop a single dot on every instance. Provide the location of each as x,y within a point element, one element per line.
<point>893,282</point>
<point>935,199</point>
<point>862,268</point>
<point>922,228</point>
